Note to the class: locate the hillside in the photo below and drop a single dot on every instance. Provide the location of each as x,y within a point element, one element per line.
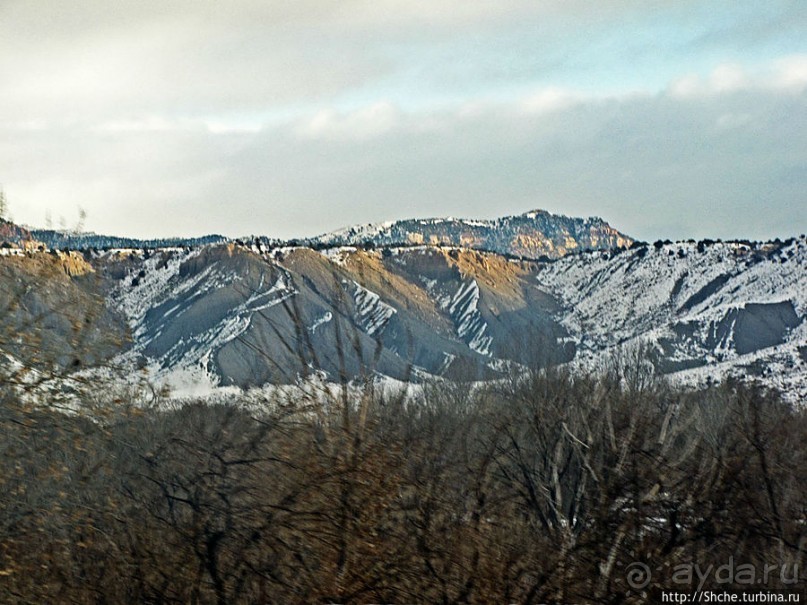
<point>705,311</point>
<point>231,315</point>
<point>55,316</point>
<point>237,315</point>
<point>246,314</point>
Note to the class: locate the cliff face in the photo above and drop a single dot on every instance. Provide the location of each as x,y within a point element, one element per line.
<point>532,234</point>
<point>13,234</point>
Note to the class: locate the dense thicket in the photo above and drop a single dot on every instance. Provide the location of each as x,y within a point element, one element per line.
<point>546,488</point>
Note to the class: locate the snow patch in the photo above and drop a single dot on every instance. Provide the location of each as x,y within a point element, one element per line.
<point>338,255</point>
<point>373,313</point>
<point>464,310</point>
<point>322,320</point>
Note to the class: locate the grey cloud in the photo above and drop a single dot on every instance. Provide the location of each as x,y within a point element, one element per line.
<point>174,69</point>
<point>112,106</point>
<point>94,58</point>
<point>656,167</point>
<point>754,28</point>
<point>720,165</point>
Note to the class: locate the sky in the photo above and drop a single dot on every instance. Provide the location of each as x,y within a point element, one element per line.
<point>668,118</point>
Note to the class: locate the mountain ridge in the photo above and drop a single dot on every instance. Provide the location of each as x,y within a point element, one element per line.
<point>244,314</point>
<point>532,234</point>
<point>698,312</point>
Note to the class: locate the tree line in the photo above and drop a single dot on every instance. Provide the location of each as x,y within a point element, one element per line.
<point>545,487</point>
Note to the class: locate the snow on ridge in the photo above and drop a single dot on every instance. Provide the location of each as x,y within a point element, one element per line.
<point>12,252</point>
<point>338,255</point>
<point>197,349</point>
<point>782,371</point>
<point>372,311</point>
<point>136,299</point>
<point>475,223</point>
<point>616,297</point>
<point>464,310</point>
<point>159,283</point>
<point>442,300</point>
<point>683,300</point>
<point>356,232</point>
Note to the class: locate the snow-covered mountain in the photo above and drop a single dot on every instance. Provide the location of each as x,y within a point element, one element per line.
<point>704,311</point>
<point>245,314</point>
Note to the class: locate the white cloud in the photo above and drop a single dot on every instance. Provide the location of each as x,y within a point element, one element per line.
<point>550,99</point>
<point>368,122</point>
<point>791,73</point>
<point>145,124</point>
<point>786,74</point>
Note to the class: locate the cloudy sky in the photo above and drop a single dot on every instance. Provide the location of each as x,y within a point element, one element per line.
<point>668,118</point>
